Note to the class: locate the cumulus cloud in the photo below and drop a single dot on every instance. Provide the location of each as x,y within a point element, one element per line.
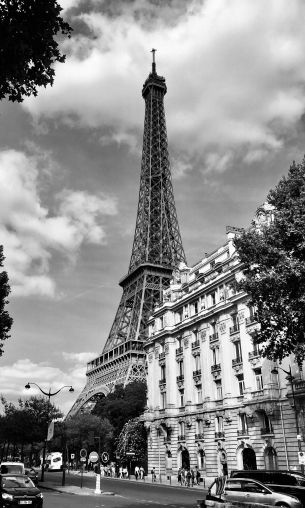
<point>31,233</point>
<point>14,377</point>
<point>235,70</point>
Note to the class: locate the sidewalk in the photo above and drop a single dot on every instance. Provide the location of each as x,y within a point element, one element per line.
<point>54,484</point>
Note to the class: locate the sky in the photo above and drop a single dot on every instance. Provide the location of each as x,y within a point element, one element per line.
<point>70,160</point>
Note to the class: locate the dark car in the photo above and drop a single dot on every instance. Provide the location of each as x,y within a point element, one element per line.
<point>18,490</point>
<point>32,474</point>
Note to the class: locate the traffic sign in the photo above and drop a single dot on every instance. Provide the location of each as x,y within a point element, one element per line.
<point>72,455</point>
<point>83,453</point>
<point>83,459</point>
<point>105,457</point>
<point>301,458</point>
<point>130,453</point>
<point>93,457</point>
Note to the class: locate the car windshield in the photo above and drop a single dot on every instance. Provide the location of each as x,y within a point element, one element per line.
<point>11,468</point>
<point>15,482</point>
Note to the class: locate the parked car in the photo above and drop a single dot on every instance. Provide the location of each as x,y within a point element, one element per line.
<point>272,476</point>
<point>17,490</point>
<point>245,490</point>
<point>12,467</point>
<point>32,474</point>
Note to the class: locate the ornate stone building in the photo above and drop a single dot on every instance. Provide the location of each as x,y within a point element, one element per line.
<point>213,401</point>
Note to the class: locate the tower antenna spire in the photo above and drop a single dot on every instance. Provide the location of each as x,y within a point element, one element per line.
<point>153,51</point>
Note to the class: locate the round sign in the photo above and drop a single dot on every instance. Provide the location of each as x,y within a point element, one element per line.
<point>93,457</point>
<point>105,457</point>
<point>83,453</point>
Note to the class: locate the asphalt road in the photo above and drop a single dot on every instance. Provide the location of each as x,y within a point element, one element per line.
<point>127,494</point>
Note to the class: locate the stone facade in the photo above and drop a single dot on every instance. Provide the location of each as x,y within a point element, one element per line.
<point>213,400</point>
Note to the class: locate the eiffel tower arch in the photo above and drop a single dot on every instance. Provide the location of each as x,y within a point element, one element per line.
<point>157,250</point>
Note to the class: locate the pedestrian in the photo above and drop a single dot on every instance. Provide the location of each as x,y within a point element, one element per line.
<point>188,478</point>
<point>179,475</point>
<point>153,475</point>
<point>136,472</point>
<point>182,476</point>
<point>197,476</point>
<point>142,473</point>
<point>120,472</point>
<point>192,477</point>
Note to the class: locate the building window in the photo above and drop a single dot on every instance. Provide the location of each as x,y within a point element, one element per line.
<point>215,356</point>
<point>219,424</point>
<point>199,427</point>
<point>238,353</point>
<point>197,362</point>
<point>218,389</point>
<point>178,316</point>
<point>181,398</point>
<point>181,428</point>
<point>258,379</point>
<point>201,459</point>
<point>186,311</point>
<point>181,368</point>
<point>243,423</point>
<point>163,372</point>
<point>241,384</point>
<point>161,323</point>
<point>212,299</point>
<point>163,400</point>
<point>199,395</point>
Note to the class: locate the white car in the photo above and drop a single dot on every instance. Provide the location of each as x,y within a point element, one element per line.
<point>244,490</point>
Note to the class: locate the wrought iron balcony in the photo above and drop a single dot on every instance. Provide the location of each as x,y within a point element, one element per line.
<point>219,435</point>
<point>242,432</point>
<point>195,344</point>
<point>162,382</point>
<point>179,351</point>
<point>267,431</point>
<point>181,437</point>
<point>196,373</point>
<point>199,436</point>
<point>237,361</point>
<point>180,378</point>
<point>250,320</point>
<point>213,337</point>
<point>234,329</point>
<point>162,355</point>
<point>216,367</point>
<point>254,354</point>
<point>167,439</point>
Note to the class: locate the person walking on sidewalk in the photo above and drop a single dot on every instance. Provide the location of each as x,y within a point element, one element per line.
<point>197,476</point>
<point>153,475</point>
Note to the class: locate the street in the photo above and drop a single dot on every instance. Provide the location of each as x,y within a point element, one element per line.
<point>121,493</point>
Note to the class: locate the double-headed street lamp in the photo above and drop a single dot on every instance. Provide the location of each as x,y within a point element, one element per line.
<point>48,394</point>
<point>290,378</point>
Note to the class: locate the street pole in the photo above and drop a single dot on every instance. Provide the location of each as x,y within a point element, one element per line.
<point>49,395</point>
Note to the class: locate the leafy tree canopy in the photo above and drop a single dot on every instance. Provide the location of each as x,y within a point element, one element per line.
<point>5,319</point>
<point>273,260</point>
<point>132,439</point>
<point>122,404</point>
<point>28,48</point>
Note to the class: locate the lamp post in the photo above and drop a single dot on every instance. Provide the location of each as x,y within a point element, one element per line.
<point>290,378</point>
<point>48,394</point>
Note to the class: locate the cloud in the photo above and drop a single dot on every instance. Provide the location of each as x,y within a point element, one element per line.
<point>235,71</point>
<point>14,377</point>
<point>29,230</point>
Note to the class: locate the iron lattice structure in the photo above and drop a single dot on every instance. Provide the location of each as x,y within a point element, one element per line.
<point>157,250</point>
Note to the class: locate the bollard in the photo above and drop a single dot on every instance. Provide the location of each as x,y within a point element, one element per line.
<point>98,484</point>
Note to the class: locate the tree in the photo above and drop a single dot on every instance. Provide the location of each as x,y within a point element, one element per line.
<point>132,439</point>
<point>122,404</point>
<point>28,49</point>
<point>273,263</point>
<point>5,319</point>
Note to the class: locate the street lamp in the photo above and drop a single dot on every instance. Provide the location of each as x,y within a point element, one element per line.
<point>48,394</point>
<point>290,378</point>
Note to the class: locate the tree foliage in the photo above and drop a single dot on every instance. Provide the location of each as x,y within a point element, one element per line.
<point>28,46</point>
<point>122,404</point>
<point>273,260</point>
<point>88,431</point>
<point>5,319</point>
<point>132,439</point>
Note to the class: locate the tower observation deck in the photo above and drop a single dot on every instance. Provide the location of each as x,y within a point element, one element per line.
<point>157,250</point>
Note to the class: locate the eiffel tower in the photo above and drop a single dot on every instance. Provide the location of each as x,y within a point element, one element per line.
<point>157,250</point>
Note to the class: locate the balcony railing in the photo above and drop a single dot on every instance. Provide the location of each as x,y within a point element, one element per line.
<point>179,351</point>
<point>162,382</point>
<point>219,435</point>
<point>196,373</point>
<point>242,432</point>
<point>266,431</point>
<point>216,367</point>
<point>250,320</point>
<point>181,437</point>
<point>199,436</point>
<point>180,378</point>
<point>254,354</point>
<point>162,355</point>
<point>237,361</point>
<point>167,439</point>
<point>195,344</point>
<point>213,337</point>
<point>234,329</point>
